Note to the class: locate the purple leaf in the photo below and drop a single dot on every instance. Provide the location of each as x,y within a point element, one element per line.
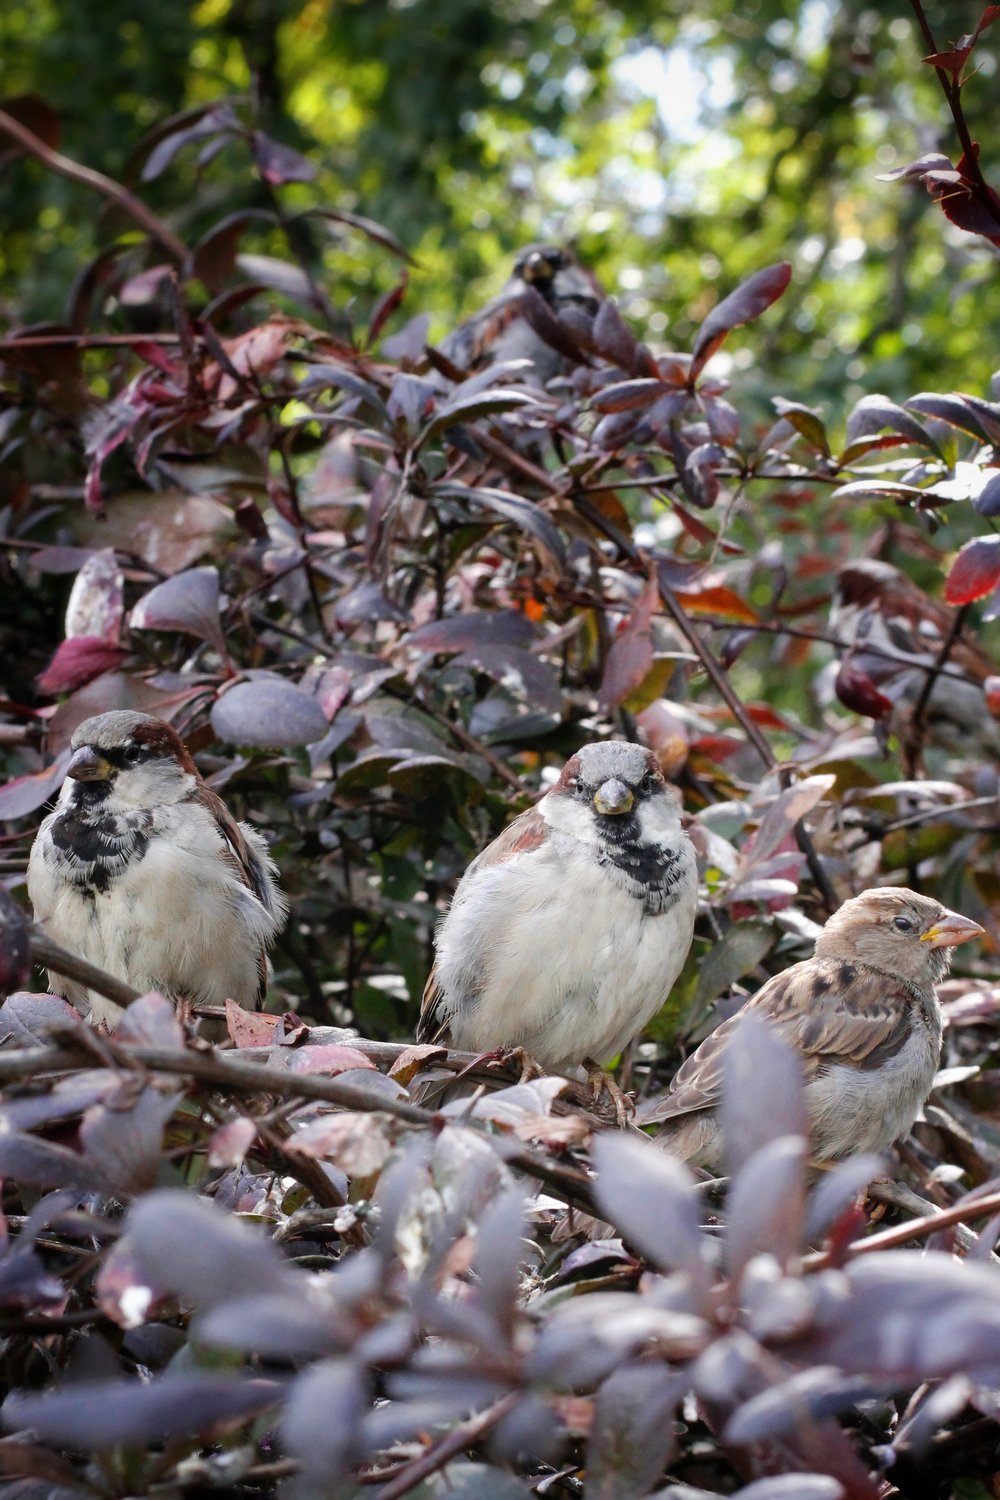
<point>467,408</point>
<point>908,1316</point>
<point>874,413</point>
<point>766,1204</point>
<point>268,712</point>
<point>748,301</point>
<point>815,1393</point>
<point>109,1413</point>
<point>519,673</point>
<point>836,1191</point>
<point>500,1250</point>
<point>322,1415</point>
<point>474,627</point>
<point>188,602</point>
<point>150,1021</point>
<point>648,1196</point>
<point>954,410</point>
<point>25,794</point>
<point>277,1326</point>
<point>525,514</point>
<point>278,163</point>
<point>123,1137</point>
<point>28,1020</point>
<point>632,1437</point>
<point>761,1093</point>
<point>189,1248</point>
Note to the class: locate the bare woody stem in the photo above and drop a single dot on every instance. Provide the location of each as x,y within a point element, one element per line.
<point>64,166</point>
<point>953,94</point>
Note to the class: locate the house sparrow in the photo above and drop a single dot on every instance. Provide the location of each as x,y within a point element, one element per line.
<point>142,870</point>
<point>566,934</point>
<point>892,631</point>
<point>545,303</point>
<point>864,1018</point>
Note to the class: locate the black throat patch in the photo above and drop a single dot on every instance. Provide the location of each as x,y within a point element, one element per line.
<point>96,846</point>
<point>649,871</point>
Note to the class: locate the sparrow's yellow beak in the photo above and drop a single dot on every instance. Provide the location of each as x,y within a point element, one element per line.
<point>86,765</point>
<point>951,930</point>
<point>613,798</point>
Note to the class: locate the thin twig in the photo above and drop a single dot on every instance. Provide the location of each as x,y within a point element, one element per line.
<point>917,730</point>
<point>49,954</point>
<point>97,182</point>
<point>220,1071</point>
<point>456,1441</point>
<point>953,94</point>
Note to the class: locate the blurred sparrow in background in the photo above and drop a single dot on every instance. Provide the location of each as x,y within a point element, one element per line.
<point>547,302</point>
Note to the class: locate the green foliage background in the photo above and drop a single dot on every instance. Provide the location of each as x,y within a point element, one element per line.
<point>470,128</point>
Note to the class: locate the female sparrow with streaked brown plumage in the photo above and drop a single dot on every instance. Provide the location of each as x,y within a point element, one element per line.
<point>567,933</point>
<point>142,870</point>
<point>863,1017</point>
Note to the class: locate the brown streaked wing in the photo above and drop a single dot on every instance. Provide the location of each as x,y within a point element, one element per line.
<point>527,831</point>
<point>237,849</point>
<point>430,1026</point>
<point>829,1010</point>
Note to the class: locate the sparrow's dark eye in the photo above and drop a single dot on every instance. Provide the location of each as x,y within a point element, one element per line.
<point>902,924</point>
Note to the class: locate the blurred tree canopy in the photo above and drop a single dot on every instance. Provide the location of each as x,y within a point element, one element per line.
<point>678,148</point>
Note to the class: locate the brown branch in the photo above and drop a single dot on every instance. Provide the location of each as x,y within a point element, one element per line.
<point>88,341</point>
<point>928,1220</point>
<point>97,182</point>
<point>917,728</point>
<point>929,1223</point>
<point>952,89</point>
<point>49,954</point>
<point>725,690</point>
<point>215,1068</point>
<point>456,1441</point>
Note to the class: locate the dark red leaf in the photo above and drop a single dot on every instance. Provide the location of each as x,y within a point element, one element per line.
<point>500,627</point>
<point>614,340</point>
<point>77,661</point>
<point>975,571</point>
<point>213,259</point>
<point>631,653</point>
<point>278,163</point>
<point>950,62</point>
<point>376,232</point>
<point>858,692</point>
<point>34,112</point>
<point>385,307</point>
<point>748,301</point>
<point>626,395</point>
